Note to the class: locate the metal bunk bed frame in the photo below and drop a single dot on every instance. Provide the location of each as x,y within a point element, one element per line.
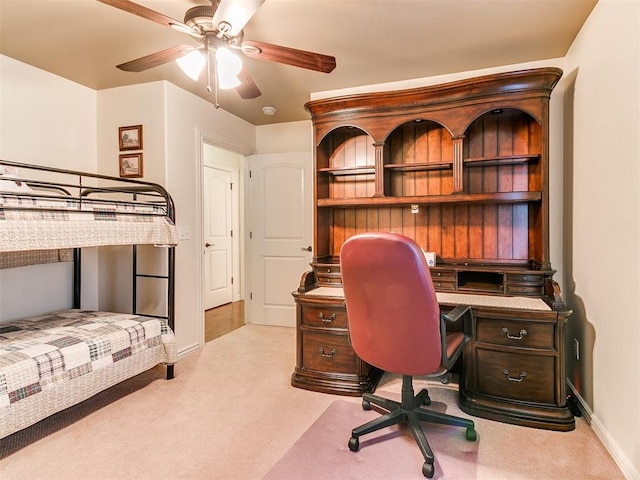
<point>126,186</point>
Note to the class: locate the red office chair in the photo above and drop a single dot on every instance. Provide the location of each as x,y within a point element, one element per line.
<point>395,324</point>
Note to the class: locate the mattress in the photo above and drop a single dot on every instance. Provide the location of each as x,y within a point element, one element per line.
<point>29,222</point>
<point>53,361</point>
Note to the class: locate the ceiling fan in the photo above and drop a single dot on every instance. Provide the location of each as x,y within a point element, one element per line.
<point>219,29</point>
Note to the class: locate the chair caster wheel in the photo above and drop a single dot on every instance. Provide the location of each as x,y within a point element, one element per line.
<point>427,469</point>
<point>354,444</point>
<point>471,434</point>
<point>366,405</point>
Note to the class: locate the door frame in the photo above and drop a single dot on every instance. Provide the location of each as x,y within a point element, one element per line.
<point>203,138</point>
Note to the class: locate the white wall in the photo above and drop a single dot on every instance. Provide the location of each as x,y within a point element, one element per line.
<point>603,258</point>
<point>285,137</point>
<point>189,120</point>
<point>120,107</point>
<point>175,123</point>
<point>45,120</point>
<point>48,120</point>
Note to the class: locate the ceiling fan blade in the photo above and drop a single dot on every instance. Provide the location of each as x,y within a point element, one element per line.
<point>289,56</point>
<point>235,13</point>
<point>147,13</point>
<point>155,59</point>
<point>248,88</point>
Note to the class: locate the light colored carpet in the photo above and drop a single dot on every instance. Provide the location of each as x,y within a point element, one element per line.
<point>232,414</point>
<point>501,452</point>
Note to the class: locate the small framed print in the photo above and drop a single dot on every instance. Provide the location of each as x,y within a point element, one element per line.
<point>131,165</point>
<point>130,138</point>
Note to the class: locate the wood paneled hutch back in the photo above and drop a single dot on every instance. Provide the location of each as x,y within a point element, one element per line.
<point>463,169</point>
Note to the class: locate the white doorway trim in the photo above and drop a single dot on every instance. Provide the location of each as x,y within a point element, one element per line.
<point>203,139</point>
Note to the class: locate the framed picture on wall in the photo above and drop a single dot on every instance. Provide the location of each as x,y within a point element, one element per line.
<point>131,165</point>
<point>130,138</point>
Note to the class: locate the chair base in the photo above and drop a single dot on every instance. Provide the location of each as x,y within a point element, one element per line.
<point>410,412</point>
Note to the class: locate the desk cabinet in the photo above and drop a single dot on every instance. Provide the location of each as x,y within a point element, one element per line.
<point>514,368</point>
<point>463,169</point>
<point>325,360</point>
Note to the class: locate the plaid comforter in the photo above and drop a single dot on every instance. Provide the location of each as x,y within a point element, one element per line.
<point>41,352</point>
<point>30,223</point>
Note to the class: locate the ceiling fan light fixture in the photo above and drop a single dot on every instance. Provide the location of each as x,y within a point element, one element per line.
<point>192,64</point>
<point>227,63</point>
<point>225,82</point>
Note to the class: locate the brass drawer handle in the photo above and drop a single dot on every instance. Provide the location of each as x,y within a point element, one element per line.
<point>328,355</point>
<point>327,320</point>
<point>513,379</point>
<point>523,332</point>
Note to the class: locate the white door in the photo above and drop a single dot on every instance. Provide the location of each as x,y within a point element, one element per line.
<point>218,236</point>
<point>281,207</point>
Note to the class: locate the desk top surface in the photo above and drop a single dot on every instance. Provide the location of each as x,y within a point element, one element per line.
<point>519,303</point>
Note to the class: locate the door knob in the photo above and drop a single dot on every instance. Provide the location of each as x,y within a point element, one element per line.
<point>209,245</point>
<point>306,249</point>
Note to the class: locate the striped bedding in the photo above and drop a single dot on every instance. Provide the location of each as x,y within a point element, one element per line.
<point>30,222</point>
<point>50,362</point>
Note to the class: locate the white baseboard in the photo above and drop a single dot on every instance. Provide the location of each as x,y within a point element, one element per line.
<point>183,352</point>
<point>621,460</point>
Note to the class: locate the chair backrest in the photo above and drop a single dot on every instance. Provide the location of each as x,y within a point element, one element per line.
<point>394,317</point>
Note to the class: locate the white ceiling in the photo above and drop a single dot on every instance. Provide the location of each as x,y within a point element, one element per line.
<point>373,41</point>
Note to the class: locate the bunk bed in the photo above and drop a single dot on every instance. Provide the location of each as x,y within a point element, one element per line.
<point>53,361</point>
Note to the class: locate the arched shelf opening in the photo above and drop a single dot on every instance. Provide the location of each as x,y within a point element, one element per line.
<point>502,136</point>
<point>345,164</point>
<point>418,159</point>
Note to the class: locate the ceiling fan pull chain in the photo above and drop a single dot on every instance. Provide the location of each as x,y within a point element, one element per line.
<point>215,78</point>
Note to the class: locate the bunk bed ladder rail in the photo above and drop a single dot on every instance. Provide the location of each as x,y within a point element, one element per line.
<point>170,278</point>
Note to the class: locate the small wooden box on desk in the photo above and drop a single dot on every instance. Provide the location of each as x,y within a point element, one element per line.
<point>325,360</point>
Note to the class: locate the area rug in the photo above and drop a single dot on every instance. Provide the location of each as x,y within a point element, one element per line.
<point>391,453</point>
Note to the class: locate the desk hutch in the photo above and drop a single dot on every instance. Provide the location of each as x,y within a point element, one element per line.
<point>463,169</point>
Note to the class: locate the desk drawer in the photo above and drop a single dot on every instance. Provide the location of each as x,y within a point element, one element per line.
<point>523,289</point>
<point>443,286</point>
<point>447,275</point>
<point>324,317</point>
<point>515,333</point>
<point>523,377</point>
<point>525,284</point>
<point>525,278</point>
<point>328,353</point>
<point>328,275</point>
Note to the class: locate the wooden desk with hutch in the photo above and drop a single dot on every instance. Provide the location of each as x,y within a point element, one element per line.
<point>463,169</point>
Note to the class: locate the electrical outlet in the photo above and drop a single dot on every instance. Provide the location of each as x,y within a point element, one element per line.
<point>183,233</point>
<point>576,348</point>
<point>414,208</point>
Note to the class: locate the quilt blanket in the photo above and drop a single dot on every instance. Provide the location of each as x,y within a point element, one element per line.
<point>28,223</point>
<point>40,352</point>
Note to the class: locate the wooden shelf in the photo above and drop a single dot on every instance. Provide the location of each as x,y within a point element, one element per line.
<point>473,198</point>
<point>500,160</point>
<point>418,167</point>
<point>354,170</point>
